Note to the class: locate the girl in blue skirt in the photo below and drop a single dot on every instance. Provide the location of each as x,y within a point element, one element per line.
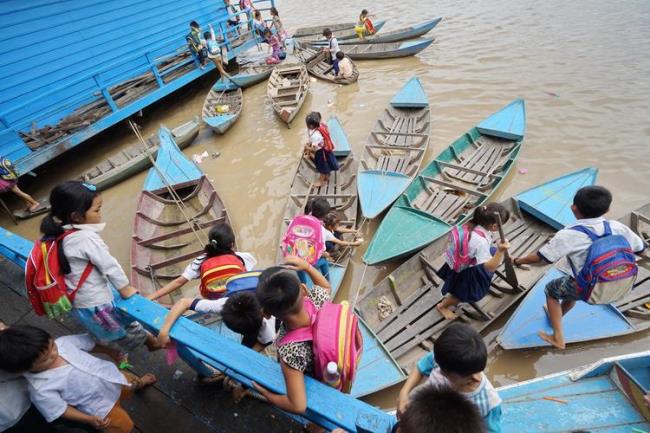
<point>321,147</point>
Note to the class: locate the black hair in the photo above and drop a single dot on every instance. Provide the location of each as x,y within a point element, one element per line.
<point>317,116</point>
<point>257,14</point>
<point>194,24</point>
<point>221,241</point>
<point>69,200</point>
<point>434,409</point>
<point>364,12</point>
<point>242,313</point>
<point>327,32</point>
<point>312,120</point>
<point>485,215</point>
<point>21,346</point>
<point>275,12</point>
<point>207,35</point>
<point>278,290</point>
<point>268,31</point>
<point>318,207</point>
<point>460,349</point>
<point>592,201</point>
<point>331,220</point>
<point>340,55</point>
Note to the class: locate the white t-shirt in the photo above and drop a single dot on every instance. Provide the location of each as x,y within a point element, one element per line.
<point>345,68</point>
<point>193,270</point>
<point>574,244</point>
<point>14,399</point>
<point>334,47</point>
<point>316,138</point>
<point>328,236</point>
<point>479,246</point>
<point>90,384</point>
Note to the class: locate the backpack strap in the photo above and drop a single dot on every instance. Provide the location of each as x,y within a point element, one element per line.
<point>305,333</point>
<point>582,229</point>
<point>84,276</point>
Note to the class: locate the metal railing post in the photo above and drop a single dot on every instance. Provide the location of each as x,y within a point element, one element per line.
<point>105,93</point>
<point>154,70</point>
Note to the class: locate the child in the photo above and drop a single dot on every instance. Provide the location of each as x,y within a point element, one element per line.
<point>66,381</point>
<point>247,7</point>
<point>275,46</point>
<point>346,69</point>
<point>214,51</point>
<point>281,294</point>
<point>471,284</point>
<point>259,24</point>
<point>458,360</point>
<point>332,223</point>
<point>323,158</point>
<point>9,182</point>
<point>364,25</point>
<point>332,48</point>
<point>76,209</point>
<point>277,24</point>
<point>195,43</point>
<point>589,205</point>
<point>218,263</point>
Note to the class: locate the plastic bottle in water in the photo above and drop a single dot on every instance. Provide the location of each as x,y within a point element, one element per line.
<point>332,376</point>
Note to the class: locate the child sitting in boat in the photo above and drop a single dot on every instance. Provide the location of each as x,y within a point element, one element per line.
<point>66,382</point>
<point>275,46</point>
<point>9,182</point>
<point>470,262</point>
<point>575,243</point>
<point>218,263</point>
<point>458,359</point>
<point>346,69</point>
<point>364,26</point>
<point>332,223</point>
<point>320,145</point>
<point>277,24</point>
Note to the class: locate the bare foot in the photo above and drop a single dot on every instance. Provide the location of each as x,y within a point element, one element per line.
<point>446,312</point>
<point>550,339</point>
<point>317,184</point>
<point>144,381</point>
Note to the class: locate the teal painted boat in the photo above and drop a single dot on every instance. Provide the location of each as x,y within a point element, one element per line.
<point>221,109</point>
<point>342,145</point>
<point>409,32</point>
<point>401,311</point>
<point>606,396</point>
<point>342,31</point>
<point>395,148</point>
<point>386,50</point>
<point>246,77</point>
<point>447,191</point>
<point>585,322</point>
<point>176,207</point>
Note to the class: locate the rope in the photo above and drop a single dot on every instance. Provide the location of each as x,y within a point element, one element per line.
<point>356,295</point>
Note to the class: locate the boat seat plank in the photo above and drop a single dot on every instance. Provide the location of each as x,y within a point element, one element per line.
<point>403,305</point>
<point>457,167</point>
<point>412,319</point>
<point>177,259</point>
<point>413,307</point>
<point>176,233</point>
<point>452,186</point>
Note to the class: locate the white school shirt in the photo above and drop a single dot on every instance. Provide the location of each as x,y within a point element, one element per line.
<point>479,247</point>
<point>14,399</point>
<point>334,47</point>
<point>316,138</point>
<point>328,236</point>
<point>90,384</point>
<point>83,246</point>
<point>574,244</point>
<point>193,270</point>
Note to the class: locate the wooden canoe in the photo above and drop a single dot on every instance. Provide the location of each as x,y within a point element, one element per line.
<point>410,32</point>
<point>606,396</point>
<point>318,65</point>
<point>585,322</point>
<point>387,50</point>
<point>134,159</point>
<point>167,235</point>
<point>287,89</point>
<point>462,177</point>
<point>401,311</point>
<point>246,76</point>
<point>395,148</point>
<point>222,108</point>
<point>341,31</point>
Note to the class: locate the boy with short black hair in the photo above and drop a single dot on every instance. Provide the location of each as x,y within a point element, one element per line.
<point>332,48</point>
<point>458,359</point>
<point>573,242</point>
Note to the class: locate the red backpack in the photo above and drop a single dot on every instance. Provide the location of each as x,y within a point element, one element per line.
<point>328,144</point>
<point>45,280</point>
<point>215,272</point>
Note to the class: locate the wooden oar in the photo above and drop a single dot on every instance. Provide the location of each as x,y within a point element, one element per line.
<point>511,275</point>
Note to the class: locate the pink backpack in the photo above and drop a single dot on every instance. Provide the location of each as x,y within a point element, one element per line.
<point>336,337</point>
<point>304,238</point>
<point>458,247</point>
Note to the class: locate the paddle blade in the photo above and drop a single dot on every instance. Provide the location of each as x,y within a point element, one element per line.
<point>511,275</point>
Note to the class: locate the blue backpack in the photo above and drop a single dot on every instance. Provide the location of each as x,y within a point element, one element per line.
<point>610,269</point>
<point>243,282</point>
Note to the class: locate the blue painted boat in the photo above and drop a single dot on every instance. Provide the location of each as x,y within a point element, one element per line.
<point>461,178</point>
<point>395,148</point>
<point>410,32</point>
<point>342,31</point>
<point>175,208</point>
<point>221,109</point>
<point>606,396</point>
<point>386,50</point>
<point>584,322</point>
<point>342,145</point>
<point>401,311</point>
<point>246,77</point>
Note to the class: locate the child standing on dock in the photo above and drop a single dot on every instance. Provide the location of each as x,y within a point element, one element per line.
<point>321,146</point>
<point>195,43</point>
<point>575,243</point>
<point>470,264</point>
<point>277,24</point>
<point>458,359</point>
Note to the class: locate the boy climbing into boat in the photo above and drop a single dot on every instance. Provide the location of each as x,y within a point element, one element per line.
<point>592,240</point>
<point>332,48</point>
<point>458,359</point>
<point>214,52</point>
<point>364,25</point>
<point>320,145</point>
<point>470,263</point>
<point>332,223</point>
<point>9,182</point>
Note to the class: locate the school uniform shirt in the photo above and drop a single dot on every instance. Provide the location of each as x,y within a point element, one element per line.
<point>316,138</point>
<point>193,270</point>
<point>90,384</point>
<point>213,46</point>
<point>14,399</point>
<point>328,236</point>
<point>83,246</point>
<point>485,397</point>
<point>479,246</point>
<point>574,244</point>
<point>334,47</point>
<point>266,334</point>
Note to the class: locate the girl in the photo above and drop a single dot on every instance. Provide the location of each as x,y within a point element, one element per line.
<point>472,283</point>
<point>364,25</point>
<point>275,46</point>
<point>9,182</point>
<point>218,263</point>
<point>214,51</point>
<point>259,24</point>
<point>332,223</point>
<point>277,24</point>
<point>320,144</point>
<point>76,207</point>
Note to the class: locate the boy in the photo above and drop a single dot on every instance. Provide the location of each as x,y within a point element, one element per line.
<point>332,48</point>
<point>589,205</point>
<point>346,70</point>
<point>458,360</point>
<point>65,381</point>
<point>195,43</point>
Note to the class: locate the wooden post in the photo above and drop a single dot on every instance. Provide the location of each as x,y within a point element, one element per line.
<point>6,208</point>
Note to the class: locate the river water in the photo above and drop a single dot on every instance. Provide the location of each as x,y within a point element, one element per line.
<point>580,66</point>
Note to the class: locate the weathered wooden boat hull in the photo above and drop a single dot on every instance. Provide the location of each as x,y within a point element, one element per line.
<point>388,50</point>
<point>221,122</point>
<point>246,77</point>
<point>287,89</point>
<point>341,31</point>
<point>318,66</point>
<point>410,32</point>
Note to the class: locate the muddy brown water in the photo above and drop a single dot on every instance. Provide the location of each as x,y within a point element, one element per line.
<point>581,67</point>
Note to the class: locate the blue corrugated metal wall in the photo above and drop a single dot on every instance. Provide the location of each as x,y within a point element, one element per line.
<point>56,55</point>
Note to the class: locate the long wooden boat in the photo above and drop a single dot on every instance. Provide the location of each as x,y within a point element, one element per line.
<point>246,76</point>
<point>222,108</point>
<point>395,148</point>
<point>170,230</point>
<point>134,159</point>
<point>410,32</point>
<point>585,322</point>
<point>287,89</point>
<point>462,177</point>
<point>606,396</point>
<point>401,311</point>
<point>341,31</point>
<point>342,145</point>
<point>318,65</point>
<point>387,50</point>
